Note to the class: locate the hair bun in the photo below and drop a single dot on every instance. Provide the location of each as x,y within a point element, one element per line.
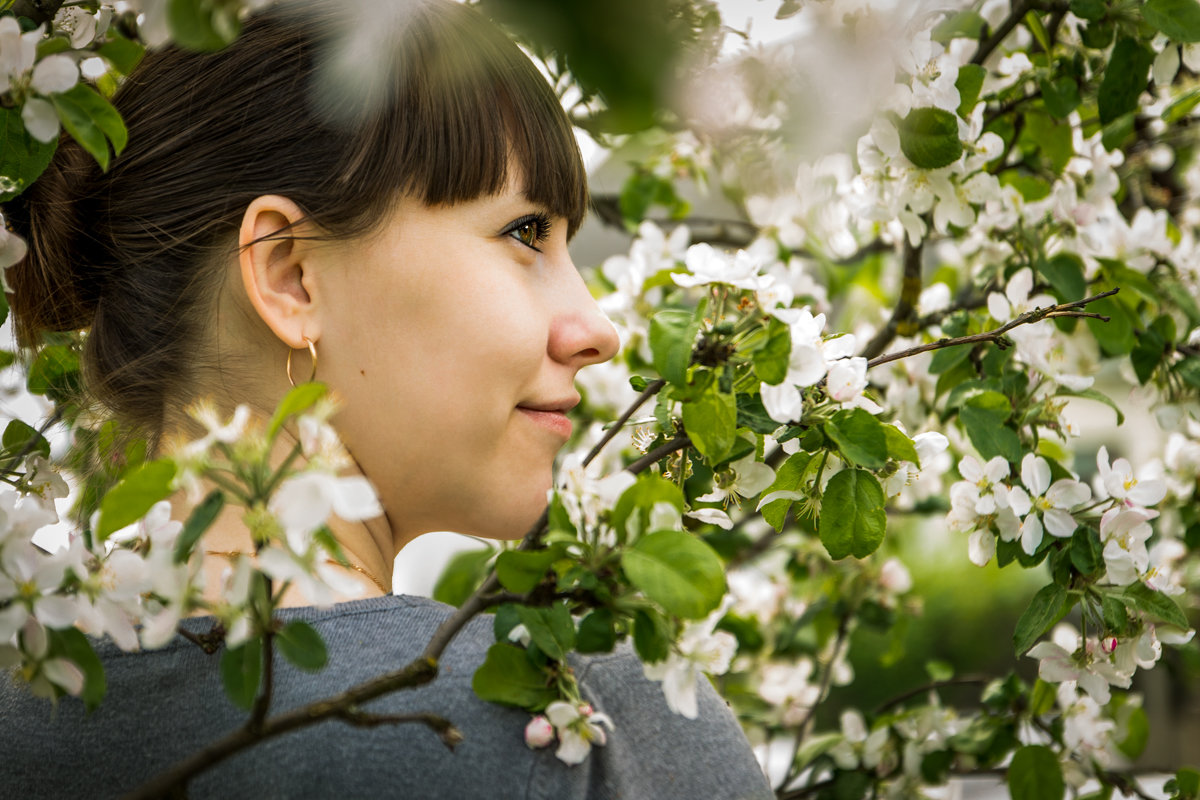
<point>55,287</point>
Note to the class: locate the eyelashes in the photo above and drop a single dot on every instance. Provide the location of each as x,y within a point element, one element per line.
<point>530,230</point>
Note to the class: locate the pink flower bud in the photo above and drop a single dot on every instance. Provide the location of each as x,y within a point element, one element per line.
<point>1109,644</point>
<point>539,732</point>
<point>585,710</point>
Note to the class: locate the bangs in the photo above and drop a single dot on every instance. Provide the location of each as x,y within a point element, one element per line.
<point>459,102</point>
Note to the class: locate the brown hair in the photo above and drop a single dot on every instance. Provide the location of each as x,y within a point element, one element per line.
<point>133,254</point>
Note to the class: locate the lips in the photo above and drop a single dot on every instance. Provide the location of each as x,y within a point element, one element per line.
<point>551,416</point>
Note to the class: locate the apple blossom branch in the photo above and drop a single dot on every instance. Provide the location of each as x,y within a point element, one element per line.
<point>346,706</point>
<point>995,336</point>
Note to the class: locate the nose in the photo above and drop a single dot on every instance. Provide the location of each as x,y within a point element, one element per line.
<point>580,333</point>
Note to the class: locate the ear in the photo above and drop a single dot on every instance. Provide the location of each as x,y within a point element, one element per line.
<point>279,283</point>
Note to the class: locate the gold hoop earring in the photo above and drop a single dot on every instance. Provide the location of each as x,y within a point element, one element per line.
<point>312,351</point>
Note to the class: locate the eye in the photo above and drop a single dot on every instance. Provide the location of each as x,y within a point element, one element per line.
<point>530,230</point>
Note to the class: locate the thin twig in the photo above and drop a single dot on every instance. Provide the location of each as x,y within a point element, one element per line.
<point>444,728</point>
<point>904,315</point>
<point>1019,9</point>
<point>651,389</point>
<point>1036,315</point>
<point>680,442</point>
<point>802,729</point>
<point>965,680</point>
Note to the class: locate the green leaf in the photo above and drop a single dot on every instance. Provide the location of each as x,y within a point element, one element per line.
<point>70,643</point>
<point>1044,610</point>
<point>860,437</point>
<point>1061,95</point>
<point>1065,274</point>
<point>1182,106</point>
<point>1115,616</point>
<point>506,676</point>
<point>521,570</point>
<point>22,157</point>
<point>678,571</point>
<point>55,374</point>
<point>1051,137</point>
<point>641,497</point>
<point>1089,9</point>
<point>948,358</point>
<point>1137,733</point>
<point>1086,554</point>
<point>1142,598</point>
<point>753,415</point>
<point>1148,352</point>
<point>1099,397</point>
<point>771,360</point>
<point>1189,370</point>
<point>899,446</point>
<point>124,54</point>
<point>203,26</point>
<point>787,479</point>
<point>711,422</point>
<point>462,576</point>
<point>651,636</point>
<point>302,645</point>
<point>129,500</point>
<point>1178,19</point>
<point>201,518</point>
<point>672,337</point>
<point>101,113</point>
<point>1034,774</point>
<point>1187,783</point>
<point>1115,336</point>
<point>551,629</point>
<point>82,128</point>
<point>241,672</point>
<point>20,437</point>
<point>929,138</point>
<point>597,632</point>
<point>1042,698</point>
<point>969,82</point>
<point>853,518</point>
<point>300,399</point>
<point>1125,78</point>
<point>984,417</point>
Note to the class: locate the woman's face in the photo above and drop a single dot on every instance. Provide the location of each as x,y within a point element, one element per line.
<point>453,337</point>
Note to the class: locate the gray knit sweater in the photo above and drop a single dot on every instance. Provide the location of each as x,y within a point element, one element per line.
<point>164,704</point>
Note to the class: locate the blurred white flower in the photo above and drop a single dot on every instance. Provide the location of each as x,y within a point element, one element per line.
<point>700,649</point>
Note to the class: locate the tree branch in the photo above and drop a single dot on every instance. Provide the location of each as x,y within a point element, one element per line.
<point>994,336</point>
<point>651,389</point>
<point>965,680</point>
<point>1019,9</point>
<point>680,442</point>
<point>802,729</point>
<point>904,316</point>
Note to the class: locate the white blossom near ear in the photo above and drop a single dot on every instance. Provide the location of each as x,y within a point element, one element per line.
<point>43,482</point>
<point>707,265</point>
<point>79,24</point>
<point>41,121</point>
<point>12,249</point>
<point>303,503</point>
<point>18,51</point>
<point>1119,482</point>
<point>585,494</point>
<point>700,649</point>
<point>54,74</point>
<point>579,727</point>
<point>1045,503</point>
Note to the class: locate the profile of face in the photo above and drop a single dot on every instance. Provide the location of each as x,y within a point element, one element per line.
<point>452,335</point>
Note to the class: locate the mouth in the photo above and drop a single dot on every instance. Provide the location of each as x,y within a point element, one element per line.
<point>551,416</point>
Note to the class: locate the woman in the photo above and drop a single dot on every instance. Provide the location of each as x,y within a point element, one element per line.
<point>410,238</point>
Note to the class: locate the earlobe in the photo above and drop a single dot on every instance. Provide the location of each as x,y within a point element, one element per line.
<point>278,281</point>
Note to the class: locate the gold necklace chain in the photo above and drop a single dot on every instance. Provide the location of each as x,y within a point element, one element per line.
<point>355,567</point>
